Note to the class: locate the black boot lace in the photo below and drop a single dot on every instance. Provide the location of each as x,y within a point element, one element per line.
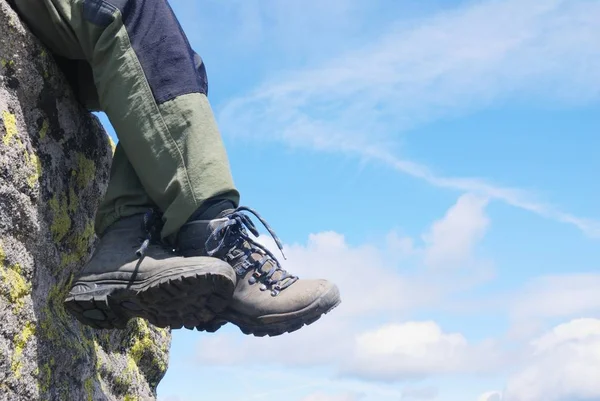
<point>152,225</point>
<point>231,235</point>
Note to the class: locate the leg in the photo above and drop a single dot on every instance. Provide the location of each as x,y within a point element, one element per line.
<point>118,282</point>
<point>174,115</point>
<point>150,88</point>
<point>125,195</point>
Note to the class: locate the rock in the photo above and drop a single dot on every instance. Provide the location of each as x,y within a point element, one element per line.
<point>54,166</point>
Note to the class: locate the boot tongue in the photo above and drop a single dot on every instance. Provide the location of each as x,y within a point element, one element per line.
<point>224,213</point>
<point>217,220</point>
<point>192,236</point>
<point>213,209</point>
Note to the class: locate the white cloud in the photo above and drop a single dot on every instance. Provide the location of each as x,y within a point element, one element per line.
<point>370,286</point>
<point>376,284</point>
<point>358,271</point>
<point>576,330</point>
<point>395,287</point>
<point>415,350</point>
<point>360,102</point>
<point>452,239</point>
<point>563,365</point>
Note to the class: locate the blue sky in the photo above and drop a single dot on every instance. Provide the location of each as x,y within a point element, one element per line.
<point>438,161</point>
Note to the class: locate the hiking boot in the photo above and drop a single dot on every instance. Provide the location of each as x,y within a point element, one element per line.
<point>133,274</point>
<point>267,300</point>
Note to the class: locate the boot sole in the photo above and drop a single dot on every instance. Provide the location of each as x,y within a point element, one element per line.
<point>280,323</point>
<point>181,298</point>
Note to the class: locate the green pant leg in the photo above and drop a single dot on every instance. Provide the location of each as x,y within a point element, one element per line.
<point>153,94</point>
<point>125,195</point>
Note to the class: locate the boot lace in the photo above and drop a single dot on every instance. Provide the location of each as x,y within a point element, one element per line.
<point>152,225</point>
<point>231,235</point>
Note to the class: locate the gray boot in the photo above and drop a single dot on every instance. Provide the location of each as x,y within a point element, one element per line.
<point>133,274</point>
<point>267,299</point>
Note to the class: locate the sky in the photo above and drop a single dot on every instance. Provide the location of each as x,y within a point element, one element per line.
<point>438,161</point>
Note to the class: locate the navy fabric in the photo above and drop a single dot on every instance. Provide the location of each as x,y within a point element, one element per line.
<point>171,67</point>
<point>98,12</point>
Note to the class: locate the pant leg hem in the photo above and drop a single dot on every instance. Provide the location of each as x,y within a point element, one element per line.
<point>107,219</point>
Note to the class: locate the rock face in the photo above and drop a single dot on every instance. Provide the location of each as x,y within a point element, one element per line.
<point>54,166</point>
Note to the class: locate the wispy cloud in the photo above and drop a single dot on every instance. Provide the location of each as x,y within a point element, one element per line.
<point>363,101</point>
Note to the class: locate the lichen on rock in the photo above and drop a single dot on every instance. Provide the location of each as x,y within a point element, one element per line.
<point>54,167</point>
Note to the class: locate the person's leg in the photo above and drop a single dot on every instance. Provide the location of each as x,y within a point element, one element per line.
<point>125,195</point>
<point>120,282</point>
<point>151,89</point>
<point>167,104</point>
